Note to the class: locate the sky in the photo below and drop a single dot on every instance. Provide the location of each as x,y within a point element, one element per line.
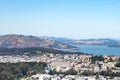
<point>76,19</point>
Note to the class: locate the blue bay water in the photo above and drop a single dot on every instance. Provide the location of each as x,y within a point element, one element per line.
<point>98,50</point>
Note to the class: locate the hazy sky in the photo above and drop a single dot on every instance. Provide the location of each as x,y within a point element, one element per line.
<point>61,18</point>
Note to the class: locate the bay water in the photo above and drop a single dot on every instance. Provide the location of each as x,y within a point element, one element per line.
<point>97,50</point>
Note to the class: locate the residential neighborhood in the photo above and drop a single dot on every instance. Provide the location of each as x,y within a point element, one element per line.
<point>69,66</point>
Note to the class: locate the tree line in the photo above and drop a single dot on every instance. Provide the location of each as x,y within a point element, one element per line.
<point>15,71</point>
<point>32,50</point>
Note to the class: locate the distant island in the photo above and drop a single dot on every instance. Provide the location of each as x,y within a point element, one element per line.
<point>99,42</point>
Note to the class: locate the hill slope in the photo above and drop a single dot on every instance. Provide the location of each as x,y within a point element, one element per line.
<point>60,39</point>
<point>21,41</point>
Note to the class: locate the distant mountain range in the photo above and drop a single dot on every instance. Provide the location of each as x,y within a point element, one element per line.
<point>98,42</point>
<point>21,41</point>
